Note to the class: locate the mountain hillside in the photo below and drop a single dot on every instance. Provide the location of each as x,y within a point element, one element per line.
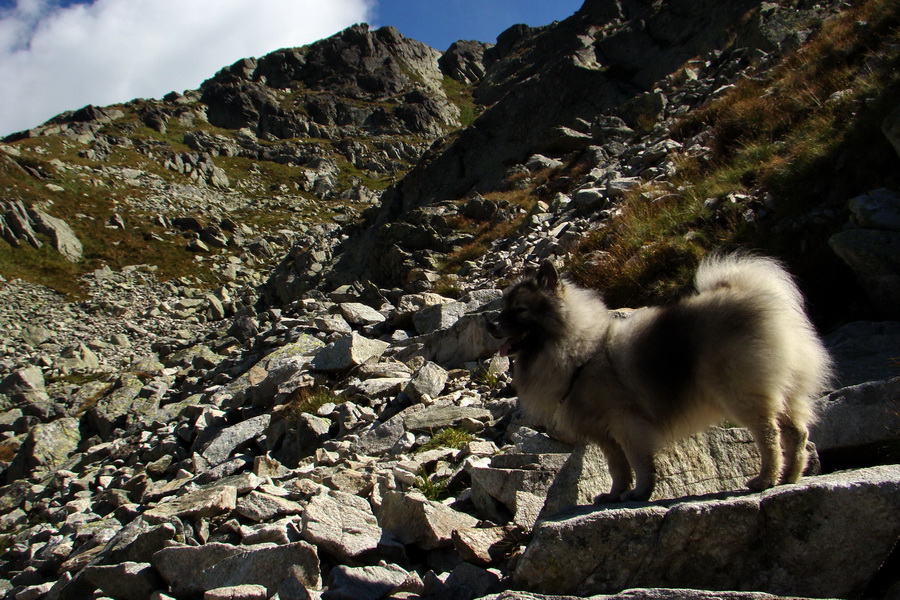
<point>244,354</point>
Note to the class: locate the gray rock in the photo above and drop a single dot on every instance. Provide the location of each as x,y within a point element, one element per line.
<point>891,129</point>
<point>209,501</point>
<point>193,570</point>
<point>224,444</point>
<point>376,387</point>
<point>874,256</point>
<point>127,580</point>
<point>484,545</point>
<point>859,416</point>
<point>464,61</point>
<point>498,487</point>
<point>363,583</point>
<point>646,594</point>
<point>438,316</point>
<point>437,417</point>
<point>539,162</point>
<point>360,314</point>
<point>779,541</point>
<point>349,351</point>
<point>261,507</point>
<point>61,235</point>
<point>35,335</point>
<point>343,525</point>
<point>414,520</point>
<point>180,565</point>
<point>864,351</point>
<point>590,198</point>
<point>46,447</point>
<point>878,209</point>
<point>301,438</point>
<point>120,407</point>
<point>464,582</point>
<point>25,386</point>
<point>332,324</point>
<point>380,438</point>
<point>78,358</point>
<point>237,592</point>
<point>429,380</point>
<point>465,341</point>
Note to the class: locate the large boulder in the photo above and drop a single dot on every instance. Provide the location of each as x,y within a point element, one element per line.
<point>871,248</point>
<point>46,447</point>
<point>25,386</point>
<point>349,351</point>
<point>780,541</point>
<point>192,570</point>
<point>716,460</point>
<point>414,520</point>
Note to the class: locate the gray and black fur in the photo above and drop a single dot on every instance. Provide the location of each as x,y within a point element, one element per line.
<point>741,347</point>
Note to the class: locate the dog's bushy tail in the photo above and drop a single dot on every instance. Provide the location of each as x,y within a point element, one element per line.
<point>752,273</point>
<point>766,283</point>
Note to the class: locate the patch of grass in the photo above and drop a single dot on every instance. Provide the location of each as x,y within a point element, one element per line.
<point>647,250</point>
<point>485,376</point>
<point>308,400</point>
<point>433,488</point>
<point>461,95</point>
<point>450,437</point>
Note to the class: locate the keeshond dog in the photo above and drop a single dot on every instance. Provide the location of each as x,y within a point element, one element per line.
<point>741,347</point>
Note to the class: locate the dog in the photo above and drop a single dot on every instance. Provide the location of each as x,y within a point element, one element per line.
<point>740,347</point>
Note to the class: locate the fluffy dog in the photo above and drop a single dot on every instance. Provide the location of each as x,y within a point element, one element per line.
<point>741,347</point>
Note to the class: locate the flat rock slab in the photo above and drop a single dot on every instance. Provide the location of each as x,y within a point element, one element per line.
<point>645,594</point>
<point>782,541</point>
<point>193,570</point>
<point>712,461</point>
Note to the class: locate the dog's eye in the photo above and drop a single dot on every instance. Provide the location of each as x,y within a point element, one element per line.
<point>520,310</point>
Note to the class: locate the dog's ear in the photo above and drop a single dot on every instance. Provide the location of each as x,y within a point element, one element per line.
<point>547,277</point>
<point>529,273</point>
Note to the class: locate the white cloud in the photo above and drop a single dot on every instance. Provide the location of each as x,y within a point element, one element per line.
<point>55,59</point>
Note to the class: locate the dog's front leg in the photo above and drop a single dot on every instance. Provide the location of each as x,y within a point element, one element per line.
<point>619,470</point>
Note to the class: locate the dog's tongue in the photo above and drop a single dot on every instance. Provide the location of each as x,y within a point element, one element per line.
<point>505,348</point>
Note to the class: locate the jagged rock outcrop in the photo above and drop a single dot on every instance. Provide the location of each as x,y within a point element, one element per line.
<point>870,247</point>
<point>544,88</point>
<point>19,223</point>
<point>377,82</point>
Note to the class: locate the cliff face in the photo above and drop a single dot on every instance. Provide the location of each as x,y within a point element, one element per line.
<point>544,87</point>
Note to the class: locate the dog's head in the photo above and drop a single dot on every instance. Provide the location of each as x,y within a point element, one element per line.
<point>529,316</point>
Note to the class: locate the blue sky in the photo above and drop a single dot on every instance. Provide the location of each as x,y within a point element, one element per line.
<point>58,55</point>
<point>439,23</point>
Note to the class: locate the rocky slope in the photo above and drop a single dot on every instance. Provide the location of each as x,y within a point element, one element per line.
<point>338,425</point>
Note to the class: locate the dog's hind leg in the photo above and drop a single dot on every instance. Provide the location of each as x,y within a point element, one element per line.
<point>793,440</point>
<point>619,470</point>
<point>766,435</point>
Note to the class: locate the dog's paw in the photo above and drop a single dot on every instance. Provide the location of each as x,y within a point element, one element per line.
<point>607,498</point>
<point>636,495</point>
<point>760,483</point>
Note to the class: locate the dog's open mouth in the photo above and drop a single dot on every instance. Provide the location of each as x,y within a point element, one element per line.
<point>511,345</point>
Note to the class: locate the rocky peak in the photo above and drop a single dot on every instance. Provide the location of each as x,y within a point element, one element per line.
<point>377,81</point>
